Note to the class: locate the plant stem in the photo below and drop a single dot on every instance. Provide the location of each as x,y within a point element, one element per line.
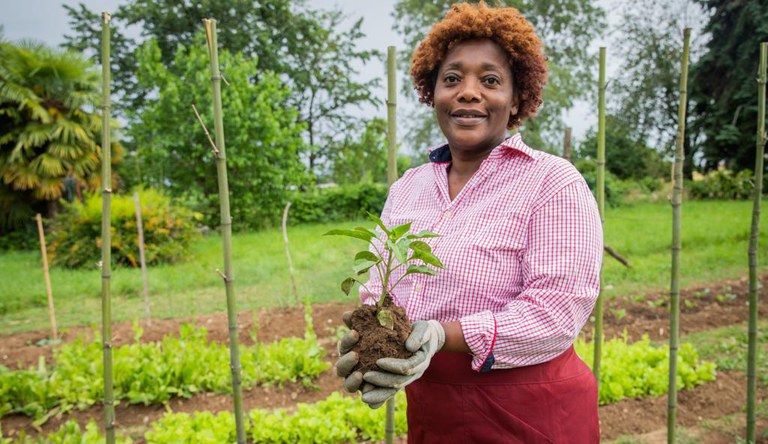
<point>226,229</point>
<point>106,238</point>
<point>677,203</point>
<point>754,285</point>
<point>598,337</point>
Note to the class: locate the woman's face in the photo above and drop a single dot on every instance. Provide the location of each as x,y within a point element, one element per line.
<point>474,96</point>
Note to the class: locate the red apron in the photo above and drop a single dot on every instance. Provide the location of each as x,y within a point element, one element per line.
<point>553,402</point>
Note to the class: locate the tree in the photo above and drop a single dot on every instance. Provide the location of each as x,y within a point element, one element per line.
<point>263,139</point>
<point>646,88</point>
<point>566,28</point>
<point>48,129</point>
<point>724,84</point>
<point>633,160</point>
<point>309,50</point>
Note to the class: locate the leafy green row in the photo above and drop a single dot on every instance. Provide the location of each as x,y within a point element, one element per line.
<point>69,433</point>
<point>642,368</point>
<point>148,373</point>
<point>336,419</point>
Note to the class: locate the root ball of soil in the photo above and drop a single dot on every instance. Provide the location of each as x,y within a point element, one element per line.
<point>377,341</point>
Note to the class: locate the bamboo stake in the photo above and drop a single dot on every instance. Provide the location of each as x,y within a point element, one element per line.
<point>598,336</point>
<point>106,238</point>
<point>226,228</point>
<point>288,253</point>
<point>142,259</point>
<point>389,429</point>
<point>47,276</point>
<point>754,285</point>
<point>677,204</point>
<point>567,144</point>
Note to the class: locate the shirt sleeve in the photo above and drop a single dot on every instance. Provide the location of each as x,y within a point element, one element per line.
<point>561,279</point>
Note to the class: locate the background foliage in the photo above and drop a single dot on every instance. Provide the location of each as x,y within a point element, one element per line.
<point>75,239</point>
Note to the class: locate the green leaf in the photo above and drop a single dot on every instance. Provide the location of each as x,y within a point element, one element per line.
<point>386,319</point>
<point>427,258</point>
<point>420,269</point>
<point>363,266</point>
<point>366,255</point>
<point>420,246</point>
<point>423,234</point>
<point>364,235</point>
<point>380,223</point>
<point>346,285</point>
<point>401,254</point>
<point>367,230</point>
<point>400,230</point>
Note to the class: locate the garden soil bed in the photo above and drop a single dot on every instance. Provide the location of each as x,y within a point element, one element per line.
<point>716,305</point>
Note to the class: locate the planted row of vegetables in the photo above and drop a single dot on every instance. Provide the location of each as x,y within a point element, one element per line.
<point>629,371</point>
<point>147,373</point>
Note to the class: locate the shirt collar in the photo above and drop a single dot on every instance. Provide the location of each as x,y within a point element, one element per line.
<point>442,153</point>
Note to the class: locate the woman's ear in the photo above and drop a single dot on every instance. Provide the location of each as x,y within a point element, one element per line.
<point>513,111</point>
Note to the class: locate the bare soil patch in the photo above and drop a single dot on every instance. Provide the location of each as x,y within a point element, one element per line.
<point>723,304</point>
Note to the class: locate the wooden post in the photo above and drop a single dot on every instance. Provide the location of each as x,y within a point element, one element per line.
<point>288,254</point>
<point>47,275</point>
<point>142,260</point>
<point>567,144</point>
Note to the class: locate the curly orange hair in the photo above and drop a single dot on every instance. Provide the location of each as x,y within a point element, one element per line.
<point>505,26</point>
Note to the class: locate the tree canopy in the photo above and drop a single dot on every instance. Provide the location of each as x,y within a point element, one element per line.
<point>724,82</point>
<point>310,50</point>
<point>49,129</point>
<point>263,138</point>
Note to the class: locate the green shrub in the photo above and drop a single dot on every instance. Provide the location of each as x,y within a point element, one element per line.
<point>168,230</point>
<point>338,203</point>
<point>614,188</point>
<point>723,184</point>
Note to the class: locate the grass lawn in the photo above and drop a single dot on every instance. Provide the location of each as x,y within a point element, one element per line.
<point>714,247</point>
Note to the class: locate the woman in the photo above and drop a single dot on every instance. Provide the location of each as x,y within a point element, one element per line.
<point>521,241</point>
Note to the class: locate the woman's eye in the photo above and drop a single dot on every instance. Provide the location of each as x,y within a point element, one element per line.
<point>450,78</point>
<point>492,80</point>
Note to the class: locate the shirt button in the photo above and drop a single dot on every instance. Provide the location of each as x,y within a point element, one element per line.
<point>447,214</point>
<point>418,287</point>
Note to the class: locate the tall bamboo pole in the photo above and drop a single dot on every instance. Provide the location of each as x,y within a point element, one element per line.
<point>753,238</point>
<point>567,144</point>
<point>106,238</point>
<point>598,336</point>
<point>389,430</point>
<point>47,276</point>
<point>677,205</point>
<point>142,258</point>
<point>226,228</point>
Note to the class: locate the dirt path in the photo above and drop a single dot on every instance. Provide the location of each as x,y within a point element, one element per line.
<point>714,306</point>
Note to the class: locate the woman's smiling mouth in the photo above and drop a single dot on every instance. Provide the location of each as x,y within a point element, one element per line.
<point>468,117</point>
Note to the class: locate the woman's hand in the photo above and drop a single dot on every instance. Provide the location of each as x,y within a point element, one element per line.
<point>426,339</point>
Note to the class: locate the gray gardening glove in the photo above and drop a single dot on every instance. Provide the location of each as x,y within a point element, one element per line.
<point>426,339</point>
<point>348,359</point>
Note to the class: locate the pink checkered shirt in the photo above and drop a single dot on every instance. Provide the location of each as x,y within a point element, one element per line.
<point>522,249</point>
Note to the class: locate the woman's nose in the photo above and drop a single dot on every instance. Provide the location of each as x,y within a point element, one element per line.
<point>470,91</point>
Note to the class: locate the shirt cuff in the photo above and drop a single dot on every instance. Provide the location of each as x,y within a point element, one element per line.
<point>480,334</point>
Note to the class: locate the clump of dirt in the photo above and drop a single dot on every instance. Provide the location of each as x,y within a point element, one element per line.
<point>377,341</point>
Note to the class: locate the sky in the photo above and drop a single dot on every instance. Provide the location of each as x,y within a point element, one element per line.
<point>46,21</point>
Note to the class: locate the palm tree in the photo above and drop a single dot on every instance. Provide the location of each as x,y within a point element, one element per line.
<point>48,129</point>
